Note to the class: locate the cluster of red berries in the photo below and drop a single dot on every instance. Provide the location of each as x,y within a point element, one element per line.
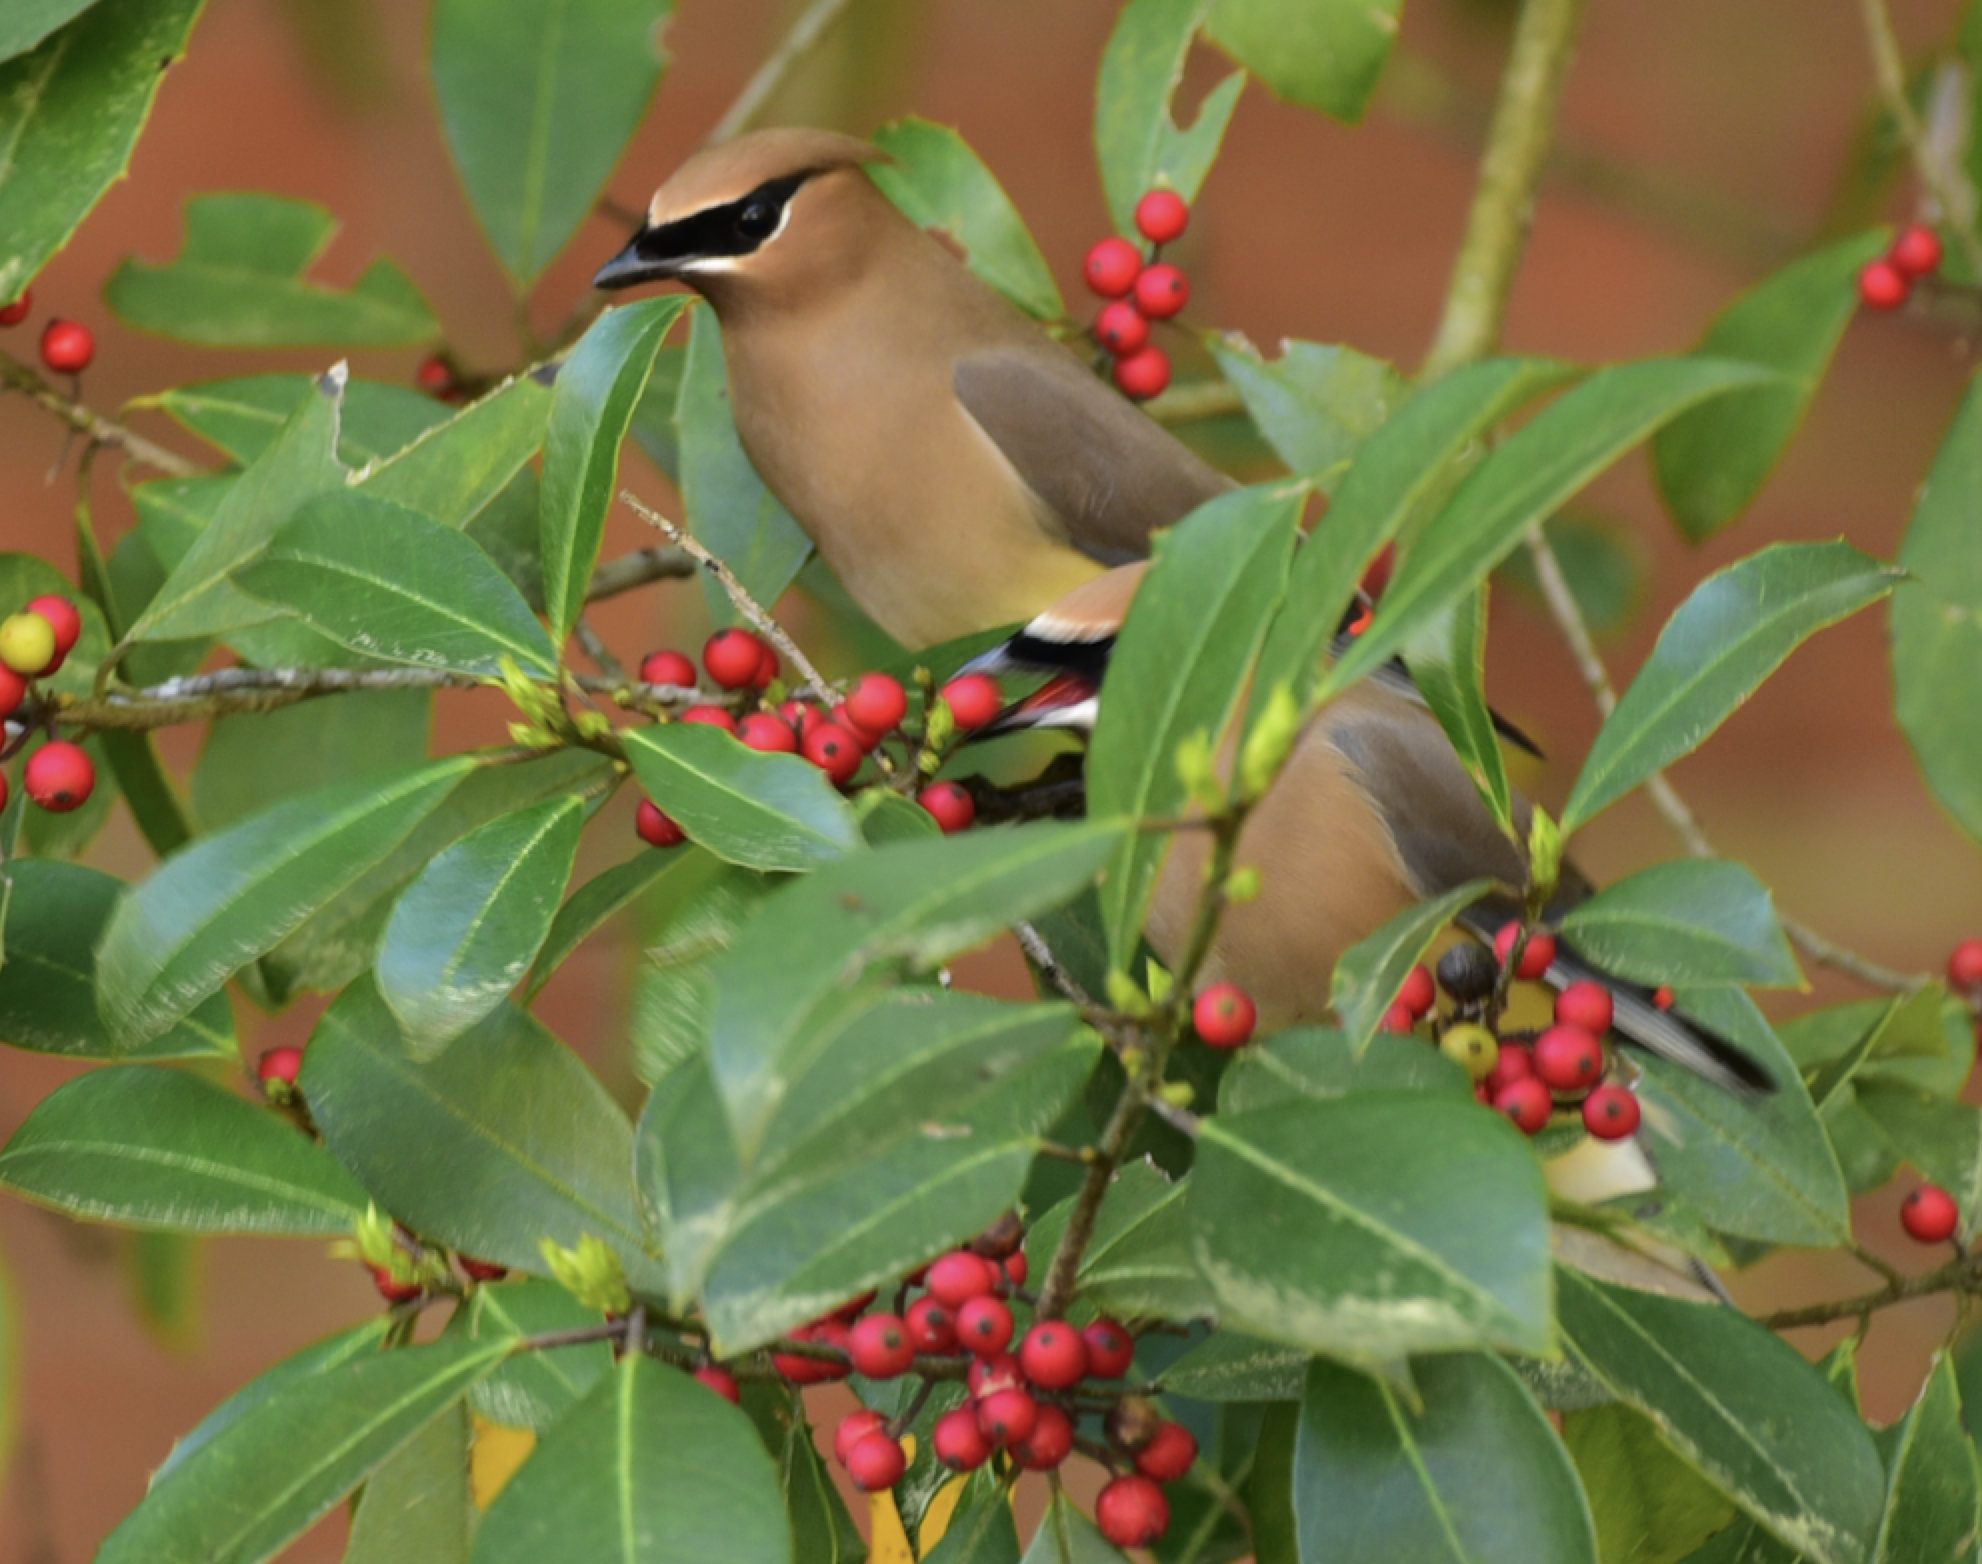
<point>837,742</point>
<point>1139,291</point>
<point>67,346</point>
<point>1887,283</point>
<point>33,645</point>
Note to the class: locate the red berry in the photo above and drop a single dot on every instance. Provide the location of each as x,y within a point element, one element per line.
<point>1536,956</point>
<point>668,667</point>
<point>390,1290</point>
<point>800,1369</point>
<point>1527,1103</point>
<point>1929,1214</point>
<point>3,790</point>
<point>1016,1268</point>
<point>854,1427</point>
<point>869,739</point>
<point>1568,1058</point>
<point>960,1443</point>
<point>1516,1062</point>
<point>932,1326</point>
<point>984,1326</point>
<point>59,777</point>
<point>1397,1019</point>
<point>950,804</point>
<point>1050,1442</point>
<point>876,1462</point>
<point>1611,1113</point>
<point>1883,286</point>
<point>1662,996</point>
<point>1132,1512</point>
<point>281,1065</point>
<point>1964,962</point>
<point>17,312</point>
<point>722,1382</point>
<point>853,1308</point>
<point>1144,373</point>
<point>62,619</point>
<point>766,731</point>
<point>481,1270</point>
<point>13,690</point>
<point>1224,1015</point>
<point>1916,252</point>
<point>960,1276</point>
<point>1111,267</point>
<point>434,377</point>
<point>973,700</point>
<point>768,669</point>
<point>1121,328</point>
<point>833,750</point>
<point>1111,1350</point>
<point>880,1347</point>
<point>1170,1453</point>
<point>1587,1005</point>
<point>1162,291</point>
<point>1162,216</point>
<point>1053,1356</point>
<point>1007,1416</point>
<point>733,658</point>
<point>709,717</point>
<point>67,346</point>
<point>655,828</point>
<point>1376,575</point>
<point>802,715</point>
<point>877,702</point>
<point>1418,991</point>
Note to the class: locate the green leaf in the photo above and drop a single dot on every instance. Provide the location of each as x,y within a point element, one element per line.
<point>1697,921</point>
<point>1066,1536</point>
<point>455,471</point>
<point>649,1468</point>
<point>1139,145</point>
<point>597,390</point>
<point>1447,659</point>
<point>939,182</point>
<point>822,1531</point>
<point>1321,54</point>
<point>1933,1506</point>
<point>1270,1493</point>
<point>1650,1506</point>
<point>250,760</point>
<point>817,949</point>
<point>1715,651</point>
<point>161,1149</point>
<point>538,99</point>
<point>467,929</point>
<point>1138,1261</point>
<point>53,918</point>
<point>728,508</point>
<point>418,1504</point>
<point>1316,403</point>
<point>211,909</point>
<point>27,22</point>
<point>1942,1139</point>
<point>759,810</point>
<point>242,1496</point>
<point>673,992</point>
<point>69,835</point>
<point>388,583</point>
<point>534,1389</point>
<point>70,113</point>
<point>592,906</point>
<point>1316,1062</point>
<point>502,1141</point>
<point>237,282</point>
<point>1423,1227</point>
<point>1371,972</point>
<point>1710,464</point>
<point>243,417</point>
<point>981,1529</point>
<point>1177,670</point>
<point>1937,623</point>
<point>1476,1477</point>
<point>1229,1366</point>
<point>1526,480</point>
<point>1740,1405</point>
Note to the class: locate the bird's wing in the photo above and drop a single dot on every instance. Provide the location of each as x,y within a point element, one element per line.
<point>1108,473</point>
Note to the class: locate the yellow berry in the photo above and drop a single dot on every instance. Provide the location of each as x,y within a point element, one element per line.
<point>1472,1048</point>
<point>27,644</point>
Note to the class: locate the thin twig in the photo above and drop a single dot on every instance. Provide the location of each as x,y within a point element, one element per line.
<point>770,76</point>
<point>1943,183</point>
<point>637,569</point>
<point>1960,1274</point>
<point>1182,1120</point>
<point>594,647</point>
<point>92,425</point>
<point>1040,954</point>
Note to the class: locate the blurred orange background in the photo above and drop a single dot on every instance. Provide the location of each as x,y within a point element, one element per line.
<point>1705,143</point>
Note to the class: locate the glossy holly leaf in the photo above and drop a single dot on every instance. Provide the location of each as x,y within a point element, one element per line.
<point>728,508</point>
<point>1177,670</point>
<point>502,1141</point>
<point>1231,1366</point>
<point>266,1478</point>
<point>758,810</point>
<point>1740,1405</point>
<point>708,902</point>
<point>1937,624</point>
<point>243,417</point>
<point>418,1504</point>
<point>1371,972</point>
<point>819,949</point>
<point>208,911</point>
<point>455,471</point>
<point>1318,1062</point>
<point>1137,142</point>
<point>1933,1506</point>
<point>1066,1536</point>
<point>1524,481</point>
<point>534,1389</point>
<point>593,905</point>
<point>1447,659</point>
<point>538,99</point>
<point>465,932</point>
<point>1476,1473</point>
<point>932,174</point>
<point>1694,921</point>
<point>822,1531</point>
<point>1405,466</point>
<point>1138,1261</point>
<point>1315,403</point>
<point>1423,1223</point>
<point>161,1149</point>
<point>1712,463</point>
<point>54,916</point>
<point>252,759</point>
<point>981,1528</point>
<point>1714,652</point>
<point>1942,1139</point>
<point>1321,54</point>
<point>1650,1506</point>
<point>591,406</point>
<point>649,1468</point>
<point>27,22</point>
<point>389,584</point>
<point>238,281</point>
<point>70,113</point>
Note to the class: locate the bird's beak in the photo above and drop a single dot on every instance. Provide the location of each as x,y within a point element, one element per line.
<point>635,264</point>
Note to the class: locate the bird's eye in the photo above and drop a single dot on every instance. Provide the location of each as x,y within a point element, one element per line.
<point>758,220</point>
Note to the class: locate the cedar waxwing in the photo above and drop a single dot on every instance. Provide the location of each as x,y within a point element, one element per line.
<point>956,467</point>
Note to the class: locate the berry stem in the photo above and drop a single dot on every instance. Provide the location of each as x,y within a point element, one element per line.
<point>1962,1274</point>
<point>93,426</point>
